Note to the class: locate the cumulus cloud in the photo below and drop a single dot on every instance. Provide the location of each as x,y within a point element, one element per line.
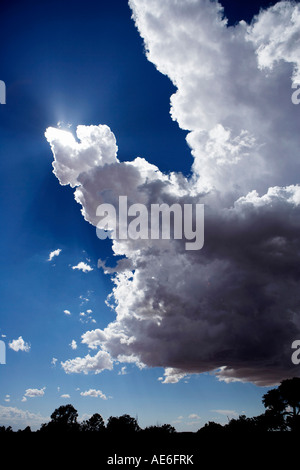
<point>19,345</point>
<point>93,393</point>
<point>82,266</point>
<point>65,395</point>
<point>95,364</point>
<point>232,307</point>
<point>53,254</point>
<point>35,392</point>
<point>73,344</point>
<point>67,312</point>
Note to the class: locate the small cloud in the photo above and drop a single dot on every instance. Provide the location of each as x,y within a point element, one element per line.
<point>54,361</point>
<point>7,398</point>
<point>24,399</point>
<point>93,393</point>
<point>67,312</point>
<point>54,253</point>
<point>194,416</point>
<point>73,344</point>
<point>19,345</point>
<point>89,311</point>
<point>65,395</point>
<point>123,371</point>
<point>84,267</point>
<point>34,392</point>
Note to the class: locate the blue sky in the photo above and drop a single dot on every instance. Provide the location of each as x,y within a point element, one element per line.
<point>83,63</point>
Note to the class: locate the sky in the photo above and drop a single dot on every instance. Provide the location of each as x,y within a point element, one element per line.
<point>185,102</point>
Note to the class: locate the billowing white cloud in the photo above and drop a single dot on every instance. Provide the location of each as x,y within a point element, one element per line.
<point>19,345</point>
<point>95,364</point>
<point>53,254</point>
<point>93,393</point>
<point>232,307</point>
<point>82,266</point>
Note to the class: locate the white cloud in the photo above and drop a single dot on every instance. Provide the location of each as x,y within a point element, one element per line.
<point>84,267</point>
<point>19,419</point>
<point>65,395</point>
<point>172,376</point>
<point>123,371</point>
<point>96,364</point>
<point>194,416</point>
<point>54,253</point>
<point>35,392</point>
<point>54,361</point>
<point>7,398</point>
<point>19,345</point>
<point>93,393</point>
<point>233,307</point>
<point>73,344</point>
<point>67,312</point>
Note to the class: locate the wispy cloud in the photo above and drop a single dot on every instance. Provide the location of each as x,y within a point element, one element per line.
<point>229,413</point>
<point>54,253</point>
<point>19,419</point>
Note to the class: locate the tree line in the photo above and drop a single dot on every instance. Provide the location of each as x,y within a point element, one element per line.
<point>282,413</point>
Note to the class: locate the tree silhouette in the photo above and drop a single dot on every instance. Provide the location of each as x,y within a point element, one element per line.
<point>211,426</point>
<point>94,424</point>
<point>4,429</point>
<point>240,425</point>
<point>63,419</point>
<point>122,424</point>
<point>283,404</point>
<point>162,431</point>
